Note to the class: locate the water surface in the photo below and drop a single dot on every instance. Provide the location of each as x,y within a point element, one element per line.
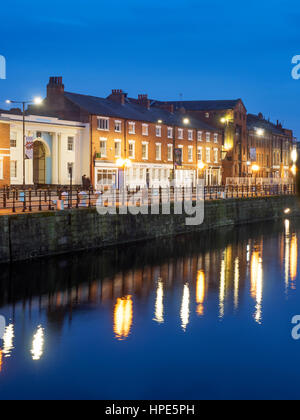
<point>201,316</point>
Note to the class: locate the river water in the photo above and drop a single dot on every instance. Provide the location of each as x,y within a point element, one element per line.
<point>204,316</point>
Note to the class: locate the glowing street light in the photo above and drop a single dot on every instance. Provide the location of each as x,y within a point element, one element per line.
<point>36,101</point>
<point>260,132</point>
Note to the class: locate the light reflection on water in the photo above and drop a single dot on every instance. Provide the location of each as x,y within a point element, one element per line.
<point>175,288</point>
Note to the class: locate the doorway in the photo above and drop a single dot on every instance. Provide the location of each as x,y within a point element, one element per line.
<point>39,163</point>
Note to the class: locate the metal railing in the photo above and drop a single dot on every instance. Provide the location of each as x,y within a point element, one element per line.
<point>37,200</point>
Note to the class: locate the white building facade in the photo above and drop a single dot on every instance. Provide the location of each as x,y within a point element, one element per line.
<point>53,147</point>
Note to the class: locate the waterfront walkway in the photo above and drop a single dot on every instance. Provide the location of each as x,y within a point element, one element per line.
<point>14,201</point>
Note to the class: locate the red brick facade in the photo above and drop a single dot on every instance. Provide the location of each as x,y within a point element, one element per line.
<point>4,154</point>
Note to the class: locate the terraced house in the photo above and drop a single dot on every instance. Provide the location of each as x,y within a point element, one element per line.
<point>139,141</point>
<point>270,147</point>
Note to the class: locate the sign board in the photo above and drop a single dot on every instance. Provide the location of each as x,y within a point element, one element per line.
<point>178,157</point>
<point>253,156</point>
<point>29,147</point>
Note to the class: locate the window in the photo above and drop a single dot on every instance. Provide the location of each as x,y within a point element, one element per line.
<point>70,144</point>
<point>158,151</point>
<point>170,132</point>
<point>181,148</point>
<point>158,131</point>
<point>180,133</point>
<point>200,135</point>
<point>103,147</point>
<point>216,156</point>
<point>145,148</point>
<point>208,137</point>
<point>208,155</point>
<point>131,149</point>
<point>216,137</point>
<point>199,154</point>
<point>170,152</point>
<point>117,148</point>
<point>103,124</point>
<point>106,177</point>
<point>70,169</point>
<point>190,135</point>
<point>118,126</point>
<point>145,129</point>
<point>131,128</point>
<point>13,169</point>
<point>190,153</point>
<point>13,139</point>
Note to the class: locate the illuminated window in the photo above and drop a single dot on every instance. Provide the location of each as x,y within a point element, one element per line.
<point>131,149</point>
<point>199,154</point>
<point>145,148</point>
<point>208,155</point>
<point>158,151</point>
<point>131,128</point>
<point>190,153</point>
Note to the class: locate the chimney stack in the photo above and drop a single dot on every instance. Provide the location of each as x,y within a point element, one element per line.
<point>118,96</point>
<point>144,101</point>
<point>55,87</point>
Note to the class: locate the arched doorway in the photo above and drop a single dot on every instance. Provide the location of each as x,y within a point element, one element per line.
<point>39,163</point>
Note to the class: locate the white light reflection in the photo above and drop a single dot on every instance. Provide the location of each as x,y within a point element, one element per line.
<point>185,307</point>
<point>159,303</point>
<point>200,292</point>
<point>236,282</point>
<point>257,284</point>
<point>37,350</point>
<point>222,287</point>
<point>8,340</point>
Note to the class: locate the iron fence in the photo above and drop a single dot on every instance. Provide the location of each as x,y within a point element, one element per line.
<point>13,200</point>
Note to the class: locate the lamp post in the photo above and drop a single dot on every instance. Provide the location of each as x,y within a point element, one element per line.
<point>123,164</point>
<point>255,169</point>
<point>36,101</point>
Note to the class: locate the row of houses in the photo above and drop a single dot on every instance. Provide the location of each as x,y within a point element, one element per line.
<point>139,142</point>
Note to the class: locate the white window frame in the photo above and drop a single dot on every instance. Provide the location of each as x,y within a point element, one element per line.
<point>73,144</point>
<point>145,143</point>
<point>216,155</point>
<point>131,143</point>
<point>158,131</point>
<point>200,135</point>
<point>131,127</point>
<point>200,152</point>
<point>216,138</point>
<point>118,141</point>
<point>16,169</point>
<point>160,151</point>
<point>103,139</point>
<point>107,123</point>
<point>145,130</point>
<point>190,135</point>
<point>208,155</point>
<point>120,124</point>
<point>170,132</point>
<point>208,137</point>
<point>170,148</point>
<point>180,146</point>
<point>190,149</point>
<point>180,133</point>
<point>14,137</point>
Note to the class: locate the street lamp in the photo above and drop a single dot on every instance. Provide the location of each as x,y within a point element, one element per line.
<point>255,169</point>
<point>36,101</point>
<point>200,167</point>
<point>123,164</point>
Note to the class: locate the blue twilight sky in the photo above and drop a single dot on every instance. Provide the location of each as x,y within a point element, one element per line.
<point>210,49</point>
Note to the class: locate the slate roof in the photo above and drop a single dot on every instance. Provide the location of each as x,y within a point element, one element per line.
<point>255,121</point>
<point>132,111</point>
<point>205,105</point>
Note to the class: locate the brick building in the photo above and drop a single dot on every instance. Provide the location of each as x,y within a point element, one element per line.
<point>270,147</point>
<point>4,152</point>
<point>141,132</point>
<point>230,116</point>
